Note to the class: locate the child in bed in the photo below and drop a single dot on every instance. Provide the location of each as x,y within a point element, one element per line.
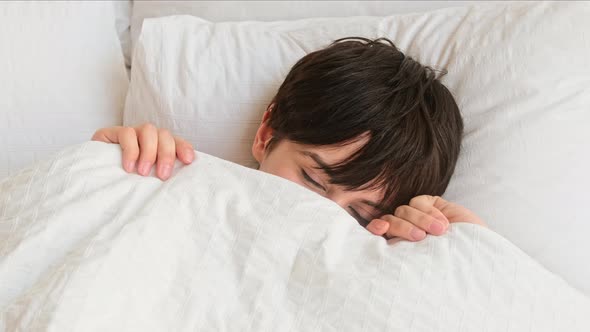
<point>357,122</point>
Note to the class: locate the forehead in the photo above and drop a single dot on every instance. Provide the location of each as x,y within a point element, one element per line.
<point>336,153</point>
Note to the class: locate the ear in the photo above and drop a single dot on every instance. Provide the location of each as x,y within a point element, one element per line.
<point>263,136</point>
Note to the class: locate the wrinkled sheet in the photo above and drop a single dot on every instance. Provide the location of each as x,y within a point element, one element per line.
<point>220,247</point>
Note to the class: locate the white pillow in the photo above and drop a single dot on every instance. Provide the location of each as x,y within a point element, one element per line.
<point>63,77</point>
<point>520,74</point>
<point>219,11</point>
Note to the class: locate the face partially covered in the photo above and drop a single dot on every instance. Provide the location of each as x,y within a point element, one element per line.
<point>302,164</point>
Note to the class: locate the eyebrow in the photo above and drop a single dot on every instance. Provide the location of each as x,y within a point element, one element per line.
<point>324,165</point>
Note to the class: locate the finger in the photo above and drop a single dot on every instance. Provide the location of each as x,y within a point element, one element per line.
<point>428,204</point>
<point>403,228</point>
<point>166,154</point>
<point>421,220</point>
<point>456,213</point>
<point>378,227</point>
<point>107,135</point>
<point>184,150</point>
<point>148,147</point>
<point>127,138</point>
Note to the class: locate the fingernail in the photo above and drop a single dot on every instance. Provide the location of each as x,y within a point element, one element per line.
<point>444,221</point>
<point>436,228</point>
<point>381,224</point>
<point>417,234</point>
<point>378,226</point>
<point>143,168</point>
<point>165,171</point>
<point>129,165</point>
<point>189,155</point>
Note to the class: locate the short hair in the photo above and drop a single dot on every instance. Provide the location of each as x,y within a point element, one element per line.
<point>357,85</point>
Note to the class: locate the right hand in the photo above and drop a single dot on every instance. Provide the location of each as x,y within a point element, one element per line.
<point>146,145</point>
<point>423,215</point>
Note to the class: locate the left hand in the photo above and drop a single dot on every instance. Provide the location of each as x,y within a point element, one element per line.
<point>147,146</point>
<point>423,215</point>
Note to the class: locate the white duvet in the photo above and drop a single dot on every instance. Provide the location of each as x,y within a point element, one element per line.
<point>219,247</point>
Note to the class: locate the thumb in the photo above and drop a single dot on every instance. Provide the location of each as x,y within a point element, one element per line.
<point>378,226</point>
<point>431,205</point>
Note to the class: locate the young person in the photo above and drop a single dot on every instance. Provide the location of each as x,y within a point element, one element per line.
<point>357,122</point>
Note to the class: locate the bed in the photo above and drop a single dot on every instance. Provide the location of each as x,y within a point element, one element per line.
<point>84,246</point>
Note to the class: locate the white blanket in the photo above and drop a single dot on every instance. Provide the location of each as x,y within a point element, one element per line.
<point>219,247</point>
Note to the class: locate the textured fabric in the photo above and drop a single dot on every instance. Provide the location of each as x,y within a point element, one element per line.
<point>62,77</point>
<point>223,11</point>
<point>520,74</point>
<point>221,247</point>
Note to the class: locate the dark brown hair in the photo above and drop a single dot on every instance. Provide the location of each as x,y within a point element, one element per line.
<point>357,86</point>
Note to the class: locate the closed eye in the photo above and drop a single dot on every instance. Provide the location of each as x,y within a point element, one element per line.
<point>311,181</point>
<point>362,221</point>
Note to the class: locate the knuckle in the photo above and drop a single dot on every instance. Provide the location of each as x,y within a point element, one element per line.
<point>429,211</point>
<point>164,132</point>
<point>415,200</point>
<point>436,200</point>
<point>400,210</point>
<point>148,127</point>
<point>434,212</point>
<point>419,200</point>
<point>132,150</point>
<point>128,131</point>
<point>147,154</point>
<point>387,217</point>
<point>424,219</point>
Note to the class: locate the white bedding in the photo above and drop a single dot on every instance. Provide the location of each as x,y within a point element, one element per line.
<point>520,73</point>
<point>220,247</point>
